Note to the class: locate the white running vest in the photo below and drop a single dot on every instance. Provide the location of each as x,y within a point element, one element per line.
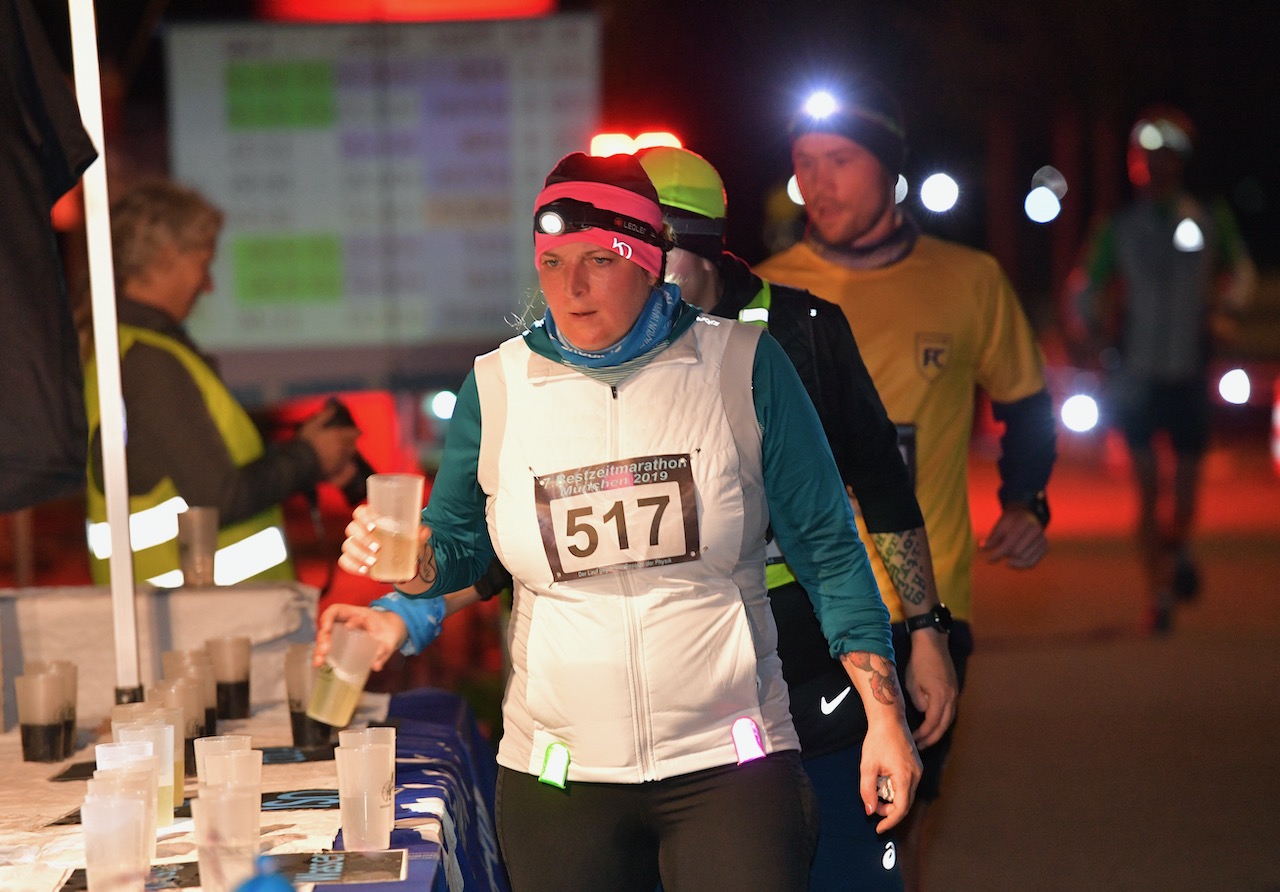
<point>633,520</point>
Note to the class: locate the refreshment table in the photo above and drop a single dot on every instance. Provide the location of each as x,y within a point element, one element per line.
<point>75,622</point>
<point>445,776</point>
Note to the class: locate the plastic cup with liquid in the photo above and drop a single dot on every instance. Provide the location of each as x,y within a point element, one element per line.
<point>395,501</point>
<point>341,678</point>
<point>366,789</point>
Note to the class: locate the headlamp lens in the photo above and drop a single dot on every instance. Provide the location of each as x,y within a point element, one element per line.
<point>550,223</point>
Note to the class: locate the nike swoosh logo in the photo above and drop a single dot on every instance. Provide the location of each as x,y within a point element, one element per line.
<point>828,708</point>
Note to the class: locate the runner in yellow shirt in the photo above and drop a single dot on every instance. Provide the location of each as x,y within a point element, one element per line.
<point>933,320</point>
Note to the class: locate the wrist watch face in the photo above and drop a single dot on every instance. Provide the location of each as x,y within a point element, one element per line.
<point>938,619</point>
<point>941,618</point>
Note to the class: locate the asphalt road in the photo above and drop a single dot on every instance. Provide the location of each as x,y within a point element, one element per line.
<point>1092,756</point>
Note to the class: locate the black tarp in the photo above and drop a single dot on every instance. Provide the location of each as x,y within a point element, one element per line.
<point>43,151</point>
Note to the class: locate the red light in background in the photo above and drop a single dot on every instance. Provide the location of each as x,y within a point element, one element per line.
<point>400,10</point>
<point>605,144</point>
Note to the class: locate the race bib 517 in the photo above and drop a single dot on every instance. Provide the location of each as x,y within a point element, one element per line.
<point>619,515</point>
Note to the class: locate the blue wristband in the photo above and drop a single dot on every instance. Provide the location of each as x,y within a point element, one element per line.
<point>422,618</point>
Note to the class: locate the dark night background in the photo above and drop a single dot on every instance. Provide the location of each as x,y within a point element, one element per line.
<point>991,90</point>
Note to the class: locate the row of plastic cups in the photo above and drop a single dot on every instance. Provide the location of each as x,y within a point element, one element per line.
<point>366,761</point>
<point>118,820</point>
<point>46,694</point>
<point>226,812</point>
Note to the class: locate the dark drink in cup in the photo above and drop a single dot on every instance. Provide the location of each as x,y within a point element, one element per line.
<point>233,699</point>
<point>42,717</point>
<point>43,743</point>
<point>307,732</point>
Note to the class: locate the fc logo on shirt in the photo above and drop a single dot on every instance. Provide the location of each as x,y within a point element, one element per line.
<point>932,352</point>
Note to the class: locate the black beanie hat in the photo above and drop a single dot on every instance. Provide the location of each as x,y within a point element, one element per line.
<point>619,170</point>
<point>866,113</point>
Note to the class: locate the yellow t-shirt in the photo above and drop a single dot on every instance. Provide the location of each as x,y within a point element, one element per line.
<point>930,328</point>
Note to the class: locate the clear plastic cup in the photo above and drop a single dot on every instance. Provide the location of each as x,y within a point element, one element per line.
<point>114,856</point>
<point>160,736</point>
<point>134,778</point>
<point>366,796</point>
<point>40,716</point>
<point>230,657</point>
<point>220,743</point>
<point>300,676</point>
<point>226,823</point>
<point>198,544</point>
<point>373,734</point>
<point>341,679</point>
<point>395,501</point>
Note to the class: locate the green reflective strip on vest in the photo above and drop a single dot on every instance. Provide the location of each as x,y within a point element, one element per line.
<point>757,311</point>
<point>777,575</point>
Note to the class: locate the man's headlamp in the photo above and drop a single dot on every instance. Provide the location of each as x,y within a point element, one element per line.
<point>565,215</point>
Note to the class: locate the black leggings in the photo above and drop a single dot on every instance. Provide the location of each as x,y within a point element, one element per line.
<point>737,827</point>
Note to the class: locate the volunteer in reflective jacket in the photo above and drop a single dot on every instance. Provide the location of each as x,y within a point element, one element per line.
<point>189,442</point>
<point>624,459</point>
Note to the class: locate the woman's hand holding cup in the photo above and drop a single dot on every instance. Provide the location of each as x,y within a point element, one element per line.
<point>360,550</point>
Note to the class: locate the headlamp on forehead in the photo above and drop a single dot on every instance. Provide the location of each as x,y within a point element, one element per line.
<point>821,105</point>
<point>1160,133</point>
<point>566,215</point>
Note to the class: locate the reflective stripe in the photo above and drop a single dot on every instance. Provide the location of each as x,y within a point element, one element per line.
<point>754,314</point>
<point>250,556</point>
<point>238,561</point>
<point>172,579</point>
<point>147,528</point>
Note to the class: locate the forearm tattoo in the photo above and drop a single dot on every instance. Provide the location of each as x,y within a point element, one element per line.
<point>883,675</point>
<point>427,570</point>
<point>902,555</point>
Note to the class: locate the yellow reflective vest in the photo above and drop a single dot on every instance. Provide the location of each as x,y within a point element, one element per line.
<point>253,548</point>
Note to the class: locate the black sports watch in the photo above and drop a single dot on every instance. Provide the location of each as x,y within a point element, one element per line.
<point>938,619</point>
<point>1037,504</point>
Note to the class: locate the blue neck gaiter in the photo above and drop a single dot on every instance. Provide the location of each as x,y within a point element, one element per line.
<point>653,325</point>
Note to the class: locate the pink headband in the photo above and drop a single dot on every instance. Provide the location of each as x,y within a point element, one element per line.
<point>609,198</point>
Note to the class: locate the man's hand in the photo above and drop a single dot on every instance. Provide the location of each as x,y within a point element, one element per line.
<point>1017,538</point>
<point>932,686</point>
<point>387,629</point>
<point>334,446</point>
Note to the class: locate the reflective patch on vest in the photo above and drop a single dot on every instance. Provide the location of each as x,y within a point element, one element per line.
<point>747,741</point>
<point>147,528</point>
<point>619,515</point>
<point>238,561</point>
<point>932,352</point>
<point>250,556</point>
<point>555,765</point>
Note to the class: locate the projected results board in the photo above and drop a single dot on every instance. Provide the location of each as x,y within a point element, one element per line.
<point>378,180</point>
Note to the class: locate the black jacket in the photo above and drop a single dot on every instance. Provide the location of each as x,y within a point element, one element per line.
<point>817,340</point>
<point>816,337</point>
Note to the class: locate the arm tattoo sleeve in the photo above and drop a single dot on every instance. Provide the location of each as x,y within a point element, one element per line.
<point>884,678</point>
<point>901,554</point>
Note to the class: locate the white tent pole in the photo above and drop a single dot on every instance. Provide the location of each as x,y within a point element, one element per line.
<point>106,339</point>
